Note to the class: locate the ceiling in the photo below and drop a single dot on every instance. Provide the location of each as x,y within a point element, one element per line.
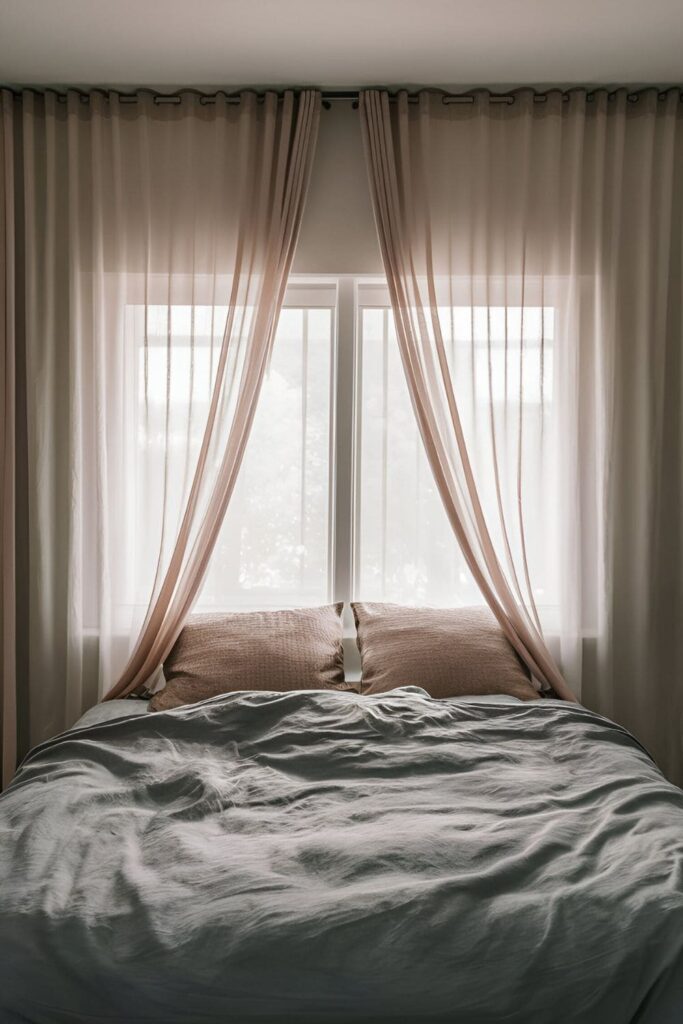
<point>456,43</point>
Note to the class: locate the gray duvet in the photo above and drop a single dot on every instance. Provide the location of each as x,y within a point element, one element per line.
<point>326,857</point>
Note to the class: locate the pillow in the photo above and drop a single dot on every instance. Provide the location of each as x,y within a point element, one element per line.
<point>449,652</point>
<point>295,649</point>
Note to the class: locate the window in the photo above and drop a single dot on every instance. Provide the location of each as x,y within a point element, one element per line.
<point>335,498</point>
<point>274,547</point>
<point>404,547</point>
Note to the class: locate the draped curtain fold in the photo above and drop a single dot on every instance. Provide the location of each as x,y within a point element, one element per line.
<point>398,154</point>
<point>554,224</point>
<point>153,244</point>
<point>271,205</point>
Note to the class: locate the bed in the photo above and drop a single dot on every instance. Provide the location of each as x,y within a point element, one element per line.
<point>331,857</point>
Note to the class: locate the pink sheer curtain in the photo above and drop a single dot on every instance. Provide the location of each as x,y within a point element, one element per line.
<point>278,147</point>
<point>402,163</point>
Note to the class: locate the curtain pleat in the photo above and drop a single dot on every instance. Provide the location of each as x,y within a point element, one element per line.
<point>8,442</point>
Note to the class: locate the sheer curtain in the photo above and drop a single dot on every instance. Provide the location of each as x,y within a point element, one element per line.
<point>270,202</point>
<point>430,258</point>
<point>155,239</point>
<point>556,221</point>
<point>8,441</point>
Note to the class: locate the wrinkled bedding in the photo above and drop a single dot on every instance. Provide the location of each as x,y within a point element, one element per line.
<point>321,856</point>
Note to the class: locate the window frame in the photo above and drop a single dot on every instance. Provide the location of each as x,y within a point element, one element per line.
<point>347,296</point>
<point>347,428</point>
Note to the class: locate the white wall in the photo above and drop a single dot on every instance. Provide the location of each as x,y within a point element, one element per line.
<point>338,231</point>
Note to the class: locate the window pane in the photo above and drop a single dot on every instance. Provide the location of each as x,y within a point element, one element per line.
<point>274,545</point>
<point>405,550</point>
<point>273,548</point>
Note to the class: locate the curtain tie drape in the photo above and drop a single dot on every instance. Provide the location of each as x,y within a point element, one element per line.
<point>395,158</point>
<point>276,169</point>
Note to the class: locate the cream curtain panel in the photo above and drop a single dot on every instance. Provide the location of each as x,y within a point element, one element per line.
<point>153,244</point>
<point>554,223</point>
<point>8,667</point>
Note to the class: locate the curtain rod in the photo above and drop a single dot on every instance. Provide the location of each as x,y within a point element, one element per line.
<point>540,96</point>
<point>327,95</point>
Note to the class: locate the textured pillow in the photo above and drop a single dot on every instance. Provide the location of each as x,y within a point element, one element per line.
<point>449,652</point>
<point>295,649</point>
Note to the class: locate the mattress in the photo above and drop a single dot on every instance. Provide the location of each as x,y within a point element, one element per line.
<point>109,710</point>
<point>327,857</point>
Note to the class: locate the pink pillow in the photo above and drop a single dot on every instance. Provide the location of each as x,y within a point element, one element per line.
<point>294,649</point>
<point>449,652</point>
